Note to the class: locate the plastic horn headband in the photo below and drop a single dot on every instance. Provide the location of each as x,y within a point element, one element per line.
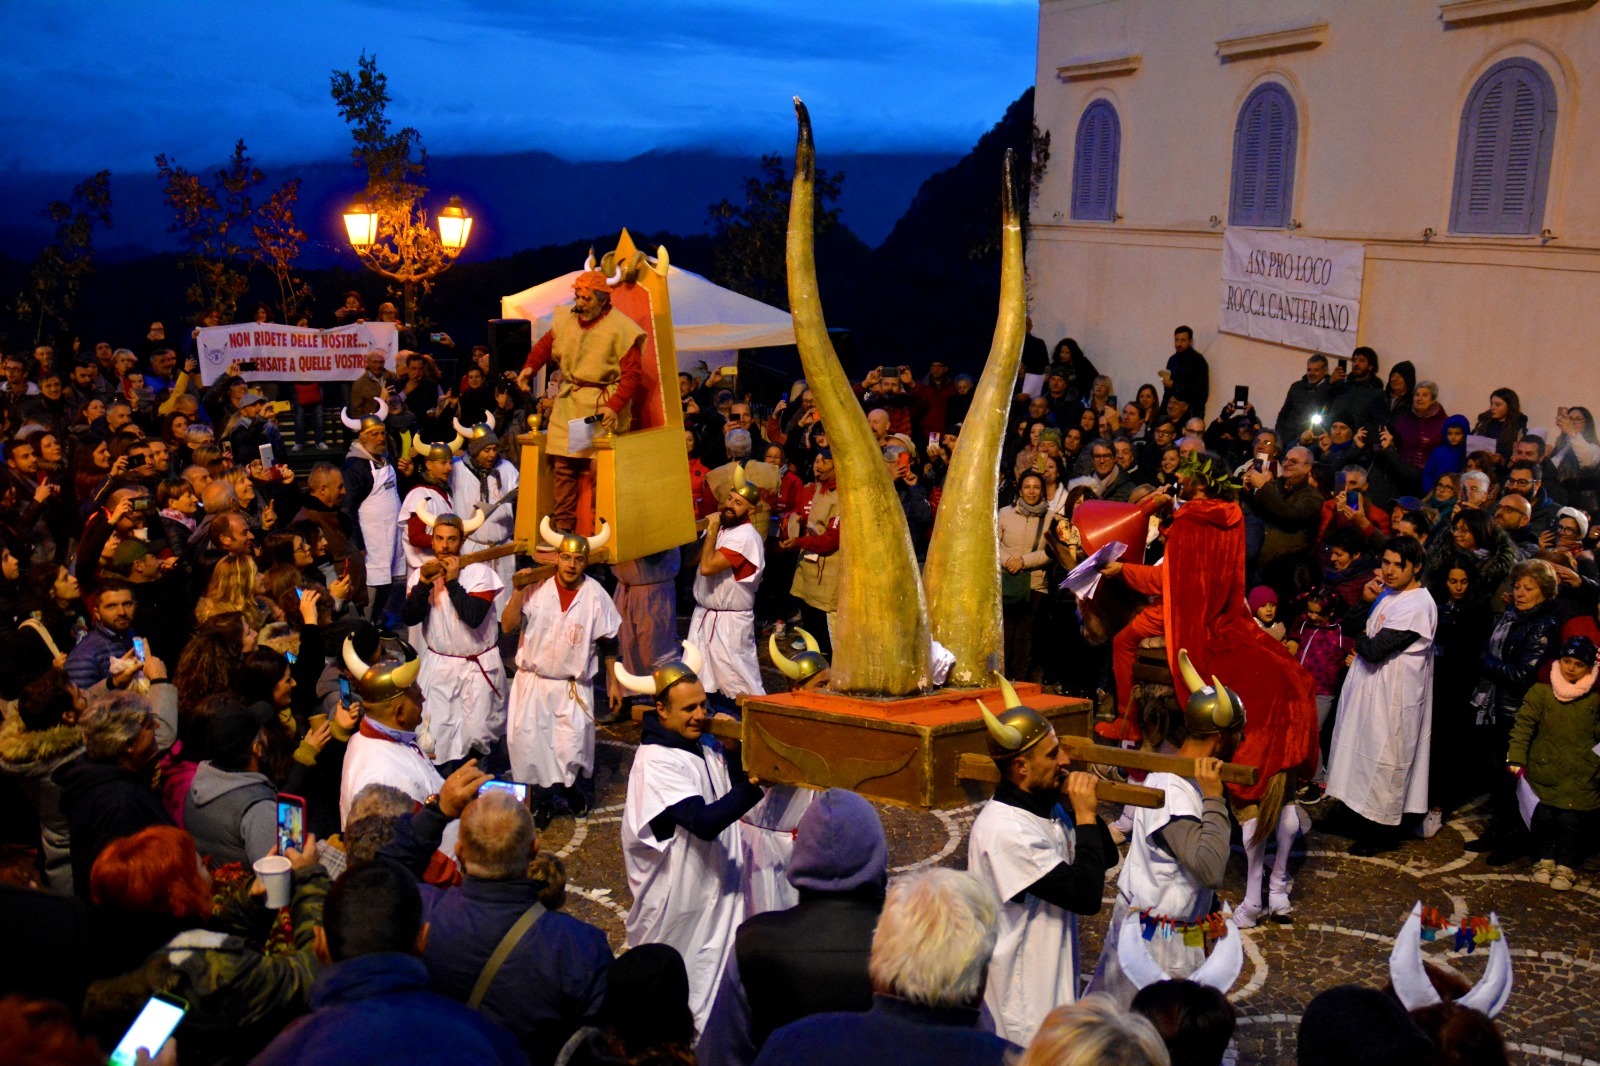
<point>384,680</point>
<point>575,543</point>
<point>429,449</point>
<point>365,422</point>
<point>1017,728</point>
<point>664,676</point>
<point>482,429</point>
<point>1219,971</point>
<point>1415,991</point>
<point>808,663</point>
<point>468,526</point>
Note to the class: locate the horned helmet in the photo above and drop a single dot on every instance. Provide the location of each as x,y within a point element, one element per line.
<point>1017,728</point>
<point>366,422</point>
<point>664,676</point>
<point>744,488</point>
<point>1219,971</point>
<point>430,452</point>
<point>1211,709</point>
<point>1415,991</point>
<point>575,543</point>
<point>802,667</point>
<point>467,526</point>
<point>476,431</point>
<point>384,679</point>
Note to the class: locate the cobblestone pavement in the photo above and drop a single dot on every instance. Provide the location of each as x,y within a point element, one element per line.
<point>1347,911</point>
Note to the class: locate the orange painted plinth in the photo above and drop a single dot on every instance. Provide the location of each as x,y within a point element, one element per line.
<point>902,751</point>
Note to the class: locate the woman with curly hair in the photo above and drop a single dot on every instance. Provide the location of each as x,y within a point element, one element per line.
<point>233,587</point>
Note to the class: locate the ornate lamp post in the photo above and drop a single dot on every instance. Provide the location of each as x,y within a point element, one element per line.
<point>400,245</point>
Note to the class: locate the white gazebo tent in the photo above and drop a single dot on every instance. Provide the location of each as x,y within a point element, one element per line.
<point>709,323</point>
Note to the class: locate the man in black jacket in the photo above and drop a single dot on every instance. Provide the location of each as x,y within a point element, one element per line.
<point>1307,398</point>
<point>1187,374</point>
<point>811,958</point>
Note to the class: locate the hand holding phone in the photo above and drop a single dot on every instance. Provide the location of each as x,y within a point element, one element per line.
<point>151,1029</point>
<point>140,649</point>
<point>291,823</point>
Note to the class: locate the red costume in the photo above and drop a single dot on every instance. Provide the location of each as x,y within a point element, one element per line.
<point>1202,610</point>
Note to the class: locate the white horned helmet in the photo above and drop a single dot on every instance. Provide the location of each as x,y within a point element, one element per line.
<point>664,676</point>
<point>365,422</point>
<point>467,526</point>
<point>1219,971</point>
<point>1410,979</point>
<point>575,543</point>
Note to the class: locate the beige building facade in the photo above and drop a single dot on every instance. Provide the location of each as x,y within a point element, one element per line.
<point>1454,141</point>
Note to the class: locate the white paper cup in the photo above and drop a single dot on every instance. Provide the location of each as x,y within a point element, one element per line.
<point>275,875</point>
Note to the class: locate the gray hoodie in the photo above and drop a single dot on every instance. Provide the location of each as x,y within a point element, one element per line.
<point>232,816</point>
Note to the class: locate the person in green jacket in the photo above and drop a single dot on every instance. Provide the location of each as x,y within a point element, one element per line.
<point>1553,745</point>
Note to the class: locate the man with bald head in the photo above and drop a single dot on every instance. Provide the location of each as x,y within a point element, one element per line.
<point>553,980</point>
<point>1514,514</point>
<point>1290,508</point>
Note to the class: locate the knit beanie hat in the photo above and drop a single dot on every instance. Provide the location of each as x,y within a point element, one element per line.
<point>480,442</point>
<point>1348,1024</point>
<point>646,1001</point>
<point>1259,597</point>
<point>1578,647</point>
<point>839,845</point>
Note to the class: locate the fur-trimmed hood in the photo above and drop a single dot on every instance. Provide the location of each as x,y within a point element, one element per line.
<point>36,752</point>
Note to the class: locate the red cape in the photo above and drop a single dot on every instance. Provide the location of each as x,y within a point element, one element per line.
<point>1203,600</point>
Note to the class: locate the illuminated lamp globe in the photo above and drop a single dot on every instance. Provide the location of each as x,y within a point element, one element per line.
<point>361,224</point>
<point>455,225</point>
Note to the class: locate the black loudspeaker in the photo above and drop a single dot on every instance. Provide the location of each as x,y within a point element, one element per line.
<point>510,340</point>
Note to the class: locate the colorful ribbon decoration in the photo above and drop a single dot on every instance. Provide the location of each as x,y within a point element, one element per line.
<point>1213,926</point>
<point>1471,933</point>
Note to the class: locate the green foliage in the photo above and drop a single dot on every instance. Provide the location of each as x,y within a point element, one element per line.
<point>51,290</point>
<point>750,253</point>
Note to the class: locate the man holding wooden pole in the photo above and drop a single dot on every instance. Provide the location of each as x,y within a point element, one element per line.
<point>1045,869</point>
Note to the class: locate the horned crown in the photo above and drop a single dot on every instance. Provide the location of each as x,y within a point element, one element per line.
<point>744,488</point>
<point>1015,729</point>
<point>1211,709</point>
<point>433,451</point>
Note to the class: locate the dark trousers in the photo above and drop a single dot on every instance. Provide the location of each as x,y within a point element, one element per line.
<point>566,477</point>
<point>379,603</point>
<point>1558,834</point>
<point>1017,621</point>
<point>1489,746</point>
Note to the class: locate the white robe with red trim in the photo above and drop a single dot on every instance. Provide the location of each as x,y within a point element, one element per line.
<point>462,679</point>
<point>723,625</point>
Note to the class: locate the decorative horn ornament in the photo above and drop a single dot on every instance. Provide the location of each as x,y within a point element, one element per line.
<point>383,680</point>
<point>663,261</point>
<point>425,514</point>
<point>1008,737</point>
<point>615,279</point>
<point>665,676</point>
<point>1410,978</point>
<point>573,543</point>
<point>588,262</point>
<point>802,667</point>
<point>1219,971</point>
<point>1017,728</point>
<point>470,526</point>
<point>599,537</point>
<point>349,423</point>
<point>1211,708</point>
<point>742,486</point>
<point>881,602</point>
<point>962,572</point>
<point>1013,701</point>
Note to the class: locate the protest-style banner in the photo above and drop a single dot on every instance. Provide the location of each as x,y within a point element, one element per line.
<point>295,353</point>
<point>1297,291</point>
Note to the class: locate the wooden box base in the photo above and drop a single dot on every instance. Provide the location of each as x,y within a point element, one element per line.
<point>902,752</point>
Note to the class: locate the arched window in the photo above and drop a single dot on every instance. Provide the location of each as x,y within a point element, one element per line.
<point>1094,164</point>
<point>1508,128</point>
<point>1263,159</point>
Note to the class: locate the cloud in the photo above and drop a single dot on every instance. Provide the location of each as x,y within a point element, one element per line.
<point>105,84</point>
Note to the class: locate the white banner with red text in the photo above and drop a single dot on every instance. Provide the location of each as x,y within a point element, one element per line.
<point>267,351</point>
<point>1297,291</point>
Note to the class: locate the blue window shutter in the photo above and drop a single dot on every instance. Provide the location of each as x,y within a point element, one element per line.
<point>1503,153</point>
<point>1262,191</point>
<point>1094,163</point>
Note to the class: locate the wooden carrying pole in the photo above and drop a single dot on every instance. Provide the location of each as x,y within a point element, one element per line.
<point>431,568</point>
<point>970,767</point>
<point>1083,749</point>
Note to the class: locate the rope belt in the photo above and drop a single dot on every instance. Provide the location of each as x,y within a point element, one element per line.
<point>573,691</point>
<point>475,661</point>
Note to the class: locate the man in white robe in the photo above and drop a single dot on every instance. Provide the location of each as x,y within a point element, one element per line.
<point>569,634</point>
<point>1044,869</point>
<point>484,479</point>
<point>372,499</point>
<point>463,678</point>
<point>438,464</point>
<point>1378,758</point>
<point>723,626</point>
<point>681,832</point>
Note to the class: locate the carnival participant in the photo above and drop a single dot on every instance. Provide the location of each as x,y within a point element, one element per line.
<point>1044,870</point>
<point>813,531</point>
<point>680,830</point>
<point>732,558</point>
<point>599,354</point>
<point>1178,852</point>
<point>372,499</point>
<point>438,462</point>
<point>485,479</point>
<point>463,679</point>
<point>646,601</point>
<point>1378,759</point>
<point>569,634</point>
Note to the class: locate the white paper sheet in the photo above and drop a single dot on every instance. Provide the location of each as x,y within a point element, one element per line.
<point>1526,800</point>
<point>580,435</point>
<point>1085,577</point>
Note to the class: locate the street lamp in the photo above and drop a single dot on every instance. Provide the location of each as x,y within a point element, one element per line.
<point>361,224</point>
<point>455,226</point>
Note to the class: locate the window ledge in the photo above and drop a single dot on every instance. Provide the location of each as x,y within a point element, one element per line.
<point>1291,37</point>
<point>1104,65</point>
<point>1453,12</point>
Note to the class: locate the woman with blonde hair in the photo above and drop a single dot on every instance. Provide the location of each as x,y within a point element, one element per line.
<point>232,588</point>
<point>1093,1032</point>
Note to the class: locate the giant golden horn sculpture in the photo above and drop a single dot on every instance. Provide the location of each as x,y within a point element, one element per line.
<point>881,604</point>
<point>963,567</point>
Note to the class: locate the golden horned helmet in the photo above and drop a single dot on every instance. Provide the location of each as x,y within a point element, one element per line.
<point>467,527</point>
<point>1017,728</point>
<point>575,543</point>
<point>802,667</point>
<point>365,422</point>
<point>744,488</point>
<point>1211,709</point>
<point>664,676</point>
<point>430,452</point>
<point>472,432</point>
<point>384,679</point>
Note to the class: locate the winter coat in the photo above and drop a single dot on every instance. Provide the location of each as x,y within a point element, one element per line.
<point>233,817</point>
<point>1291,515</point>
<point>1416,436</point>
<point>1447,458</point>
<point>1302,401</point>
<point>378,1009</point>
<point>103,803</point>
<point>1530,641</point>
<point>1360,404</point>
<point>1017,538</point>
<point>894,1030</point>
<point>1554,741</point>
<point>1489,566</point>
<point>30,757</point>
<point>239,995</point>
<point>1323,650</point>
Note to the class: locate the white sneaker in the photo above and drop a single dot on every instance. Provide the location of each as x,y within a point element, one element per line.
<point>1543,871</point>
<point>1431,823</point>
<point>1246,915</point>
<point>1278,902</point>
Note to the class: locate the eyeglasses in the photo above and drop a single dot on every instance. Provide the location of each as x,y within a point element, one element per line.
<point>1521,483</point>
<point>1568,531</point>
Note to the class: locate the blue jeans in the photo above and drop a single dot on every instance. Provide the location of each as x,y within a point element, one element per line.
<point>301,413</point>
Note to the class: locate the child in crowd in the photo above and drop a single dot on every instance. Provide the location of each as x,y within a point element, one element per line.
<point>1320,644</point>
<point>1264,605</point>
<point>1348,566</point>
<point>1553,748</point>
